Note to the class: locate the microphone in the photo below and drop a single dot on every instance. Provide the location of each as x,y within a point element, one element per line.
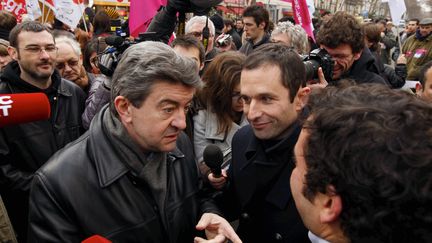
<point>21,108</point>
<point>213,158</point>
<point>96,239</point>
<point>114,40</point>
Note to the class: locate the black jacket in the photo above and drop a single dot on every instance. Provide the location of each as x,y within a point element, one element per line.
<point>26,147</point>
<point>87,189</point>
<point>98,96</point>
<point>364,70</point>
<point>249,46</point>
<point>258,192</point>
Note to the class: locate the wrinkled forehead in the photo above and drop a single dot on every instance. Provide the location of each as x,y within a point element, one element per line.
<point>42,38</point>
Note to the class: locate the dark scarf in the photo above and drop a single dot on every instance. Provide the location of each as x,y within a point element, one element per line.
<point>420,37</point>
<point>149,168</point>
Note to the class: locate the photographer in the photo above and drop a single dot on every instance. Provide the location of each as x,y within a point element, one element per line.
<point>342,37</point>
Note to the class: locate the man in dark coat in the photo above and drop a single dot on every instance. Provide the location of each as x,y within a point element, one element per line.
<point>26,147</point>
<point>256,25</point>
<point>132,177</point>
<point>342,37</point>
<point>256,187</point>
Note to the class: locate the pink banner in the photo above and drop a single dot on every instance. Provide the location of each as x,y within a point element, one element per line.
<point>141,13</point>
<point>301,16</point>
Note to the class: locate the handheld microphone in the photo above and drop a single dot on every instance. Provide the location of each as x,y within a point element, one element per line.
<point>96,239</point>
<point>114,40</point>
<point>21,108</point>
<point>213,158</point>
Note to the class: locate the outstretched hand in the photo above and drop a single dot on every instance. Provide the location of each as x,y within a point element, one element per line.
<point>217,229</point>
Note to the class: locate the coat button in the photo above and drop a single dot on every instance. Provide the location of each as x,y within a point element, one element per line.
<point>278,237</point>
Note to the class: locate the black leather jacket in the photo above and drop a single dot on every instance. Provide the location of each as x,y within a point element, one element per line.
<point>86,189</point>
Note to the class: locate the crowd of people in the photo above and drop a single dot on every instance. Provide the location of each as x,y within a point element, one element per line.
<point>344,157</point>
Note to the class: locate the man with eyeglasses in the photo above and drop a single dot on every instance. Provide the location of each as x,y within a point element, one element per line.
<point>341,36</point>
<point>26,147</point>
<point>69,62</point>
<point>195,27</point>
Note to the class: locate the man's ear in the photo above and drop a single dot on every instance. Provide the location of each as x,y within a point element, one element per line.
<point>302,98</point>
<point>419,89</point>
<point>262,25</point>
<point>123,108</point>
<point>12,52</point>
<point>358,55</point>
<point>331,206</point>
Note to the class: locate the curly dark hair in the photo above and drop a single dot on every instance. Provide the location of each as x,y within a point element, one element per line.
<point>220,79</point>
<point>374,145</point>
<point>342,28</point>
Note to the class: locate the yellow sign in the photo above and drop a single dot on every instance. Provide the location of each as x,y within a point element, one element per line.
<point>123,3</point>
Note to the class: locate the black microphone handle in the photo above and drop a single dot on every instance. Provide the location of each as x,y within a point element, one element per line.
<point>217,172</point>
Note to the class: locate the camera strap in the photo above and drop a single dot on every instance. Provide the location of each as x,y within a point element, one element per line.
<point>206,34</point>
<point>182,24</point>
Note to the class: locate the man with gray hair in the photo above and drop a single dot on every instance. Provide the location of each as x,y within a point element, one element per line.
<point>69,61</point>
<point>132,177</point>
<point>291,35</point>
<point>196,27</point>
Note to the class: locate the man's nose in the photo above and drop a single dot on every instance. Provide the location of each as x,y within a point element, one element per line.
<point>179,120</point>
<point>252,110</point>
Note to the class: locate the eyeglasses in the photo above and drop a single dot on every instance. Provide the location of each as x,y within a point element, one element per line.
<point>71,63</point>
<point>94,60</point>
<point>38,49</point>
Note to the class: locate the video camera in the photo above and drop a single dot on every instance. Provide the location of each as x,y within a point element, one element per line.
<point>110,57</point>
<point>318,58</point>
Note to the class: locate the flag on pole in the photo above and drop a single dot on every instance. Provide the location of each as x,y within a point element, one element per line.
<point>302,16</point>
<point>69,11</point>
<point>397,9</point>
<point>48,3</point>
<point>141,13</point>
<point>33,9</point>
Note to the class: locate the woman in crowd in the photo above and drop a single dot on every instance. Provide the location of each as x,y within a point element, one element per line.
<point>394,76</point>
<point>222,113</point>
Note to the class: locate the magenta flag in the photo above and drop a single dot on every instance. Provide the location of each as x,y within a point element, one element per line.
<point>141,14</point>
<point>302,16</point>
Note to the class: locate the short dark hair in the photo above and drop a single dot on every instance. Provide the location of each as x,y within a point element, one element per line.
<point>30,26</point>
<point>422,73</point>
<point>259,14</point>
<point>101,22</point>
<point>342,28</point>
<point>187,42</point>
<point>415,19</point>
<point>7,20</point>
<point>293,74</point>
<point>228,22</point>
<point>374,146</point>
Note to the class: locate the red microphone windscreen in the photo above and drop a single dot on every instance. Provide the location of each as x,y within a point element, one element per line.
<point>96,239</point>
<point>21,108</point>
